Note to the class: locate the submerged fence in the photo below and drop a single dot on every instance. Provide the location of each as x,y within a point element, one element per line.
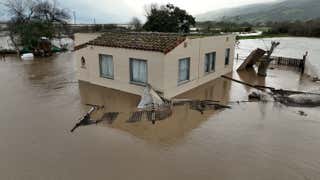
<point>254,57</point>
<point>292,62</point>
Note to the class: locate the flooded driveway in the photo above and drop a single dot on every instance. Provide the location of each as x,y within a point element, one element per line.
<point>41,101</point>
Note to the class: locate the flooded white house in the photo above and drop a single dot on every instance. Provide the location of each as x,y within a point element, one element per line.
<point>171,63</point>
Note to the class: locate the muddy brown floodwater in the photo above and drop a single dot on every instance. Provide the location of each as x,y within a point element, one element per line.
<point>41,101</point>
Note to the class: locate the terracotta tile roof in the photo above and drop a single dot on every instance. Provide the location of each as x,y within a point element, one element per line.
<point>149,41</point>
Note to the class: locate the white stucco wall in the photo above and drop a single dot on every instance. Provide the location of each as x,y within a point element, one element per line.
<point>196,49</point>
<point>162,68</point>
<point>121,58</point>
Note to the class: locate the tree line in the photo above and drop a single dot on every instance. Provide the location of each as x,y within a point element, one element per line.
<point>310,28</point>
<point>223,26</point>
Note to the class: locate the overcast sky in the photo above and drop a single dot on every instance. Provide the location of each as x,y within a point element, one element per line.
<point>121,11</point>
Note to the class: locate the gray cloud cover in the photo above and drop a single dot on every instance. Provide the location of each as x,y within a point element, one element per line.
<point>121,11</point>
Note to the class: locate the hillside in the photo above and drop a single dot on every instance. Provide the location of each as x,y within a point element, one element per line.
<point>285,10</point>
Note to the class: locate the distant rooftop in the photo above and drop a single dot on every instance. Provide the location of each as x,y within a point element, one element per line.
<point>149,41</point>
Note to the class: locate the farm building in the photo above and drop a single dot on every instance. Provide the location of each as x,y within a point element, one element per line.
<point>171,63</point>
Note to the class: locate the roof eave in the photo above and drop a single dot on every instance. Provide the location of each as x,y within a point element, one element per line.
<point>166,51</point>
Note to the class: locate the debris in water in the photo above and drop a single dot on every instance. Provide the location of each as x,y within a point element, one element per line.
<point>258,96</point>
<point>287,97</point>
<point>135,117</point>
<point>254,96</point>
<point>300,100</point>
<point>56,88</point>
<point>153,106</point>
<point>205,105</point>
<point>109,117</point>
<point>252,59</point>
<point>161,113</point>
<point>86,119</point>
<point>302,113</point>
<point>315,79</point>
<point>199,105</point>
<point>27,56</point>
<point>150,99</point>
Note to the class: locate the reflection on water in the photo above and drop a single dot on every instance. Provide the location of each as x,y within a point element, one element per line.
<point>182,121</point>
<point>250,75</point>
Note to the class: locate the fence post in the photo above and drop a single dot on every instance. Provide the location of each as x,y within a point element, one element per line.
<point>303,63</point>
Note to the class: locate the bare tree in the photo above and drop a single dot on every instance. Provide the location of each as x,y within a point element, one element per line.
<point>49,11</point>
<point>32,19</point>
<point>150,8</point>
<point>136,23</point>
<point>264,65</point>
<point>20,12</point>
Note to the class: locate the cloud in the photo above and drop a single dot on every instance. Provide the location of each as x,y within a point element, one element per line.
<point>103,11</point>
<point>121,11</point>
<point>192,6</point>
<point>3,15</point>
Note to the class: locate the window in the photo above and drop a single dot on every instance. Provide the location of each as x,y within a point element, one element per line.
<point>227,57</point>
<point>184,69</point>
<point>210,62</point>
<point>106,66</point>
<point>138,71</point>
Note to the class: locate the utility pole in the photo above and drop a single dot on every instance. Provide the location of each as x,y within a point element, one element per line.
<point>264,64</point>
<point>74,17</point>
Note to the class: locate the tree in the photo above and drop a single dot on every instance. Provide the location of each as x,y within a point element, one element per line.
<point>264,65</point>
<point>136,23</point>
<point>33,19</point>
<point>168,18</point>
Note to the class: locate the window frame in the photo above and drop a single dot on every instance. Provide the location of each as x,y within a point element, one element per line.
<point>131,60</point>
<point>212,67</point>
<point>188,74</point>
<point>100,67</point>
<point>227,56</point>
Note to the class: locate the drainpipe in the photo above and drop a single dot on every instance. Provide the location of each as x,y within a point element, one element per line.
<point>199,58</point>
